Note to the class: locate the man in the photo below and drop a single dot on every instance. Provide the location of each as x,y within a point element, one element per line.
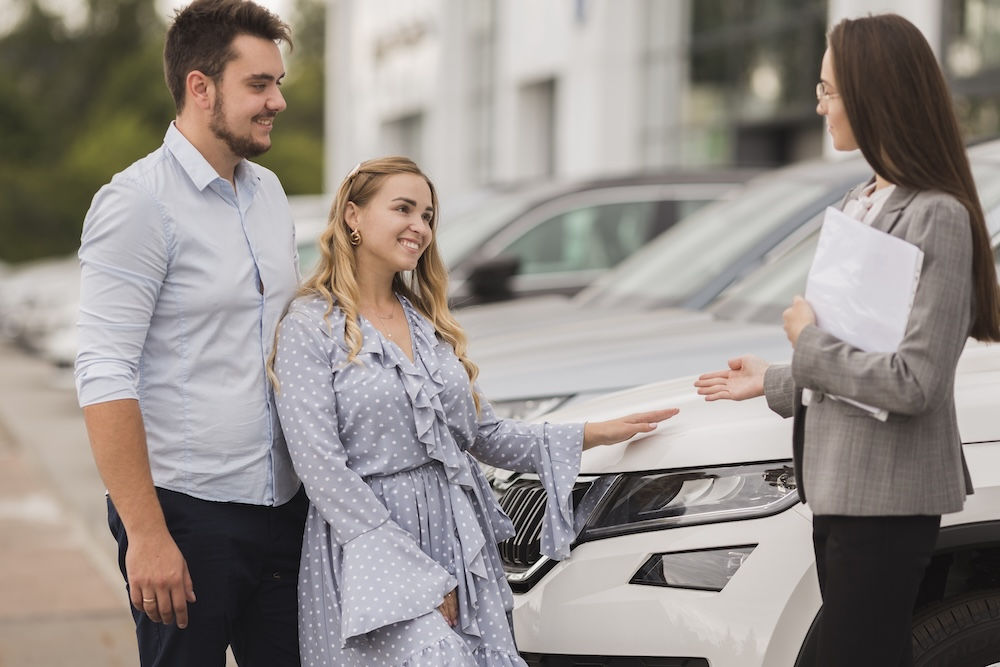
<point>188,261</point>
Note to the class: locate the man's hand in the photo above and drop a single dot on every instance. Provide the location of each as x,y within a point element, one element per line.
<point>159,583</point>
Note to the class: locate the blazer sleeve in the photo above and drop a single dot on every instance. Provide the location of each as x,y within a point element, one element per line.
<point>919,375</point>
<point>779,389</point>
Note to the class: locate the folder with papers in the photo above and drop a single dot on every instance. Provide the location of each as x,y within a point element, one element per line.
<point>861,286</point>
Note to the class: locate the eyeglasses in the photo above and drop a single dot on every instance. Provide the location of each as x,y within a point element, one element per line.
<point>822,95</point>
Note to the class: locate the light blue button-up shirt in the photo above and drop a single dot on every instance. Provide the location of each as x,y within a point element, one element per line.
<point>184,280</point>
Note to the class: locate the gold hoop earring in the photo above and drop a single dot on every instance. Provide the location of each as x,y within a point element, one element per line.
<point>355,238</point>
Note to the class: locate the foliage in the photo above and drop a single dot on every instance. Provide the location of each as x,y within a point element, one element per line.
<point>80,105</point>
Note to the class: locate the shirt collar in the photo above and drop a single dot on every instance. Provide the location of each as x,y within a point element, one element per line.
<point>201,173</point>
<point>877,195</point>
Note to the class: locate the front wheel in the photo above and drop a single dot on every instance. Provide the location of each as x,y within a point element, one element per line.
<point>959,632</point>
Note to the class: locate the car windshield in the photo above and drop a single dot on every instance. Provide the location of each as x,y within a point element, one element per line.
<point>764,295</point>
<point>460,236</point>
<point>697,249</point>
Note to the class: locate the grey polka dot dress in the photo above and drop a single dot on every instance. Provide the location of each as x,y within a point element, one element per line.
<point>400,513</point>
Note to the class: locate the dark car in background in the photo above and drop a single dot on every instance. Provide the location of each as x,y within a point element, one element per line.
<point>553,238</point>
<point>559,238</point>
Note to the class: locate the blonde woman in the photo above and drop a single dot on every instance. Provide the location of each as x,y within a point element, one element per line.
<point>382,418</point>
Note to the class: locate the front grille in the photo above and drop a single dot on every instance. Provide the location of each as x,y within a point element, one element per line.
<point>548,660</point>
<point>524,503</point>
<point>523,499</point>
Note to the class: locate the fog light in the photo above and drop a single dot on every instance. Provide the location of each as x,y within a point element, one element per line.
<point>706,570</point>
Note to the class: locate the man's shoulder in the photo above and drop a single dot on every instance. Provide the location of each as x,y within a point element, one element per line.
<point>145,167</point>
<point>145,177</point>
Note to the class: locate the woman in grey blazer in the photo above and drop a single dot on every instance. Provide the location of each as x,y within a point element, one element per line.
<point>877,489</point>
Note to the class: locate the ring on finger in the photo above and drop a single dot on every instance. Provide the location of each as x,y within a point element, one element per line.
<point>148,600</point>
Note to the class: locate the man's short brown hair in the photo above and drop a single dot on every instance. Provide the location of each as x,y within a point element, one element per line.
<point>201,38</point>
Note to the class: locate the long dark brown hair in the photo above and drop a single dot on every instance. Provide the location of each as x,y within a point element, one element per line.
<point>903,119</point>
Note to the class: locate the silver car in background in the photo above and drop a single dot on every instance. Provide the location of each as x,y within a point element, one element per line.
<point>740,261</point>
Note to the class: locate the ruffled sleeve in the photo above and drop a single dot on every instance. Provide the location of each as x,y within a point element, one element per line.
<point>384,576</point>
<point>552,451</point>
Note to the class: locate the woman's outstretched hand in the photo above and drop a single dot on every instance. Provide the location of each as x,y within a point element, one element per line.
<point>609,432</point>
<point>743,379</point>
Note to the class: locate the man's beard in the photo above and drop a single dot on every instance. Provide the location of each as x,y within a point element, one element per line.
<point>242,147</point>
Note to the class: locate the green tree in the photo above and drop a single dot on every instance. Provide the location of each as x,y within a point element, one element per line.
<point>79,106</point>
<point>297,152</point>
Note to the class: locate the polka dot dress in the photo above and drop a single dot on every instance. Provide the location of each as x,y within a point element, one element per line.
<point>400,513</point>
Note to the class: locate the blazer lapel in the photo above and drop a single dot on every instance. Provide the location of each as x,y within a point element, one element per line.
<point>855,192</point>
<point>892,209</point>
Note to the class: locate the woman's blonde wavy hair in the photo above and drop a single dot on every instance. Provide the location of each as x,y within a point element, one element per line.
<point>335,277</point>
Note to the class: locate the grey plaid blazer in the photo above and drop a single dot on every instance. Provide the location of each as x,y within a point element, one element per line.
<point>846,461</point>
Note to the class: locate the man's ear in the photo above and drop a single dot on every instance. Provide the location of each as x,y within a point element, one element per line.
<point>200,90</point>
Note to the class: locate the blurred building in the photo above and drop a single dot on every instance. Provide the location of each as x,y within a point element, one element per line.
<point>482,92</point>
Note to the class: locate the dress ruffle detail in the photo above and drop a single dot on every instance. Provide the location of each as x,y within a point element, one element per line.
<point>557,473</point>
<point>486,657</point>
<point>449,652</point>
<point>424,388</point>
<point>420,584</point>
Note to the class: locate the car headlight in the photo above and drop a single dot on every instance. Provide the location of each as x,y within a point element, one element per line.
<point>528,409</point>
<point>637,502</point>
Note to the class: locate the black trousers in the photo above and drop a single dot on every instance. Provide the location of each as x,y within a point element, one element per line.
<point>244,562</point>
<point>870,569</point>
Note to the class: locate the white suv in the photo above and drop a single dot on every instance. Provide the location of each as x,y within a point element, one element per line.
<point>694,550</point>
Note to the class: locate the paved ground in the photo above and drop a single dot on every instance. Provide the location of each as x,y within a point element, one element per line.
<point>62,600</point>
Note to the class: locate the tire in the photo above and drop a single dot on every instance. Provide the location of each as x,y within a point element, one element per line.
<point>959,632</point>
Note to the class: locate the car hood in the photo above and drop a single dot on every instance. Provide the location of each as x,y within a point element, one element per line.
<point>727,432</point>
<point>613,351</point>
<point>491,319</point>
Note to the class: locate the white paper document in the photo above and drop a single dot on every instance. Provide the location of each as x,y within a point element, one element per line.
<point>861,286</point>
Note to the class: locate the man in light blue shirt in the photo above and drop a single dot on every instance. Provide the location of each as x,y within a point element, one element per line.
<point>188,261</point>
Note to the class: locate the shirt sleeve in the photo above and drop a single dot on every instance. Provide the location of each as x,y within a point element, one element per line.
<point>123,262</point>
<point>385,576</point>
<point>552,451</point>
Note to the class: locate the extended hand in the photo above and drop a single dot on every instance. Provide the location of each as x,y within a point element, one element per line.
<point>615,430</point>
<point>449,608</point>
<point>744,379</point>
<point>159,583</point>
<point>796,317</point>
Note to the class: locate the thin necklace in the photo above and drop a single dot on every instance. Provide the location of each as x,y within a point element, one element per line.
<point>382,318</point>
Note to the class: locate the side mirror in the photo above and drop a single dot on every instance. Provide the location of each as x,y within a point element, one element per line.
<point>491,280</point>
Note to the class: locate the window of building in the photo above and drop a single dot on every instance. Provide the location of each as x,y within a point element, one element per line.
<point>481,36</point>
<point>971,59</point>
<point>404,136</point>
<point>753,65</point>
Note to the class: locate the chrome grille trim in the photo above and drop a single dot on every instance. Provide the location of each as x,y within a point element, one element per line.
<point>523,499</point>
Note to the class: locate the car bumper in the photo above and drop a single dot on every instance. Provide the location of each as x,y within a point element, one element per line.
<point>585,605</point>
